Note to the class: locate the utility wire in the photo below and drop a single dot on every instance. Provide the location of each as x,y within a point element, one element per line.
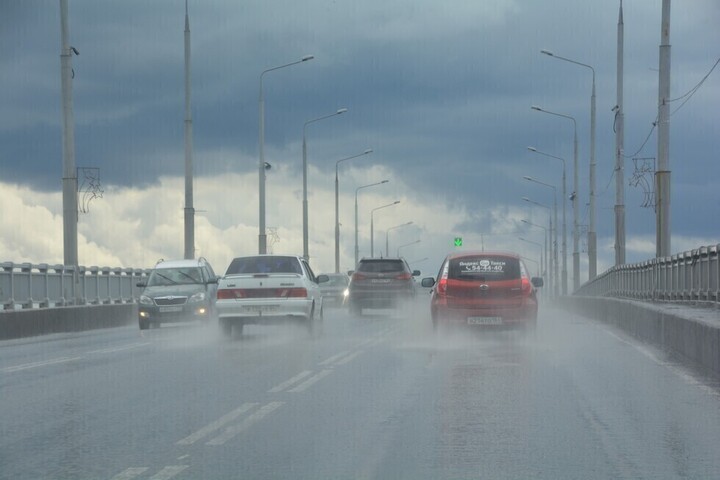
<point>687,96</point>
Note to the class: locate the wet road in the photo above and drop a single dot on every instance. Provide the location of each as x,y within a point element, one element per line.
<point>378,397</point>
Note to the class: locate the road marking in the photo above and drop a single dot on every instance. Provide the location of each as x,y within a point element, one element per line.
<point>130,473</point>
<point>120,348</point>
<point>235,430</point>
<point>349,357</point>
<point>169,472</point>
<point>293,380</point>
<point>217,424</point>
<point>311,381</point>
<point>44,363</point>
<point>330,360</point>
<point>183,457</point>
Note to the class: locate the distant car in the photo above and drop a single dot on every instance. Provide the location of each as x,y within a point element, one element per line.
<point>380,283</point>
<point>177,290</point>
<point>269,289</point>
<point>483,289</point>
<point>334,290</point>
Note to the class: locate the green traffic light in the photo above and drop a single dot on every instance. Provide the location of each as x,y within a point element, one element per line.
<point>458,241</point>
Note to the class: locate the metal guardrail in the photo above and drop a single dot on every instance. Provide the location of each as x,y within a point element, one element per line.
<point>692,276</point>
<point>26,286</point>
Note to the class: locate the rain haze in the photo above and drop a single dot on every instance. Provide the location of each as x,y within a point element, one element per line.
<point>440,92</point>
<point>449,350</point>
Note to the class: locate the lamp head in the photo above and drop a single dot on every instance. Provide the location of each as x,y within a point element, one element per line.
<point>369,150</point>
<point>532,149</point>
<point>547,52</point>
<point>341,110</point>
<point>526,177</point>
<point>307,57</point>
<point>535,107</point>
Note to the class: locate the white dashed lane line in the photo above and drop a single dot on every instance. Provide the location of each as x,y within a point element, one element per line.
<point>311,381</point>
<point>217,424</point>
<point>234,430</point>
<point>43,363</point>
<point>130,473</point>
<point>119,348</point>
<point>289,383</point>
<point>169,472</point>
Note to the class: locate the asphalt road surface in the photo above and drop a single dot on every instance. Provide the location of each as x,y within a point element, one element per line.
<point>378,397</point>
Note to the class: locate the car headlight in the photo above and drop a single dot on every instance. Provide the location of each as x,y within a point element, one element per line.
<point>145,300</point>
<point>198,297</point>
<point>346,292</point>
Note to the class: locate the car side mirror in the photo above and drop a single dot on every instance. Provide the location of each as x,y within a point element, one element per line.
<point>537,282</point>
<point>213,280</point>
<point>428,282</point>
<point>416,273</point>
<point>322,278</point>
<point>350,273</point>
<point>141,284</point>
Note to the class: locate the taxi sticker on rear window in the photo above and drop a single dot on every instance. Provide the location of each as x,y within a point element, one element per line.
<point>481,266</point>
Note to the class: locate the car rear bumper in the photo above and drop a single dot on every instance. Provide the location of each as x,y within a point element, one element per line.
<point>486,317</point>
<point>264,310</point>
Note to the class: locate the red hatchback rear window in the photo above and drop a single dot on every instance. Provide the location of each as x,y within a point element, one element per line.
<point>484,268</point>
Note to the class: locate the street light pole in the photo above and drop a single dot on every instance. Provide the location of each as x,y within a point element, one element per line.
<point>545,236</point>
<point>592,232</point>
<point>556,286</point>
<point>662,176</point>
<point>406,245</point>
<point>564,225</point>
<point>552,264</point>
<point>357,251</point>
<point>306,253</point>
<point>372,227</point>
<point>262,237</point>
<point>574,197</point>
<point>337,207</point>
<point>534,243</point>
<point>387,236</point>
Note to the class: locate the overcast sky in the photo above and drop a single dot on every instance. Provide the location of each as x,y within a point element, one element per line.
<point>441,91</point>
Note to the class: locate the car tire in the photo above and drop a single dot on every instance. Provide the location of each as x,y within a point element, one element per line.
<point>144,324</point>
<point>355,309</point>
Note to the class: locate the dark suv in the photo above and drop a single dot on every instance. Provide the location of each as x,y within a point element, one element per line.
<point>178,290</point>
<point>380,283</point>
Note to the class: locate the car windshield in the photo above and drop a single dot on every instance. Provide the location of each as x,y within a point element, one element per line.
<point>337,280</point>
<point>264,265</point>
<point>174,276</point>
<point>178,178</point>
<point>484,268</point>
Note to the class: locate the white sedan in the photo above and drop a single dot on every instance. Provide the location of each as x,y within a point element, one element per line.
<point>269,289</point>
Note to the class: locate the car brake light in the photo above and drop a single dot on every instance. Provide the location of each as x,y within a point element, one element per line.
<point>403,276</point>
<point>358,276</point>
<point>442,284</point>
<point>229,294</point>
<point>293,292</point>
<point>526,285</point>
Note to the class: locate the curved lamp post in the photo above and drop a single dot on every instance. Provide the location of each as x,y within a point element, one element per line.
<point>262,237</point>
<point>555,242</point>
<point>306,254</point>
<point>372,228</point>
<point>574,197</point>
<point>549,259</point>
<point>337,207</point>
<point>406,245</point>
<point>592,233</point>
<point>545,236</point>
<point>357,250</point>
<point>534,243</point>
<point>564,225</point>
<point>387,236</point>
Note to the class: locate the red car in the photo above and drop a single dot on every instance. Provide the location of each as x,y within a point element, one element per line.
<point>483,288</point>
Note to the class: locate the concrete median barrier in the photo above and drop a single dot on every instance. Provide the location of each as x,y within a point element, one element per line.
<point>692,332</point>
<point>42,321</point>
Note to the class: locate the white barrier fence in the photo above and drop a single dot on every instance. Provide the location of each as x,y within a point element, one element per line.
<point>692,276</point>
<point>26,286</point>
